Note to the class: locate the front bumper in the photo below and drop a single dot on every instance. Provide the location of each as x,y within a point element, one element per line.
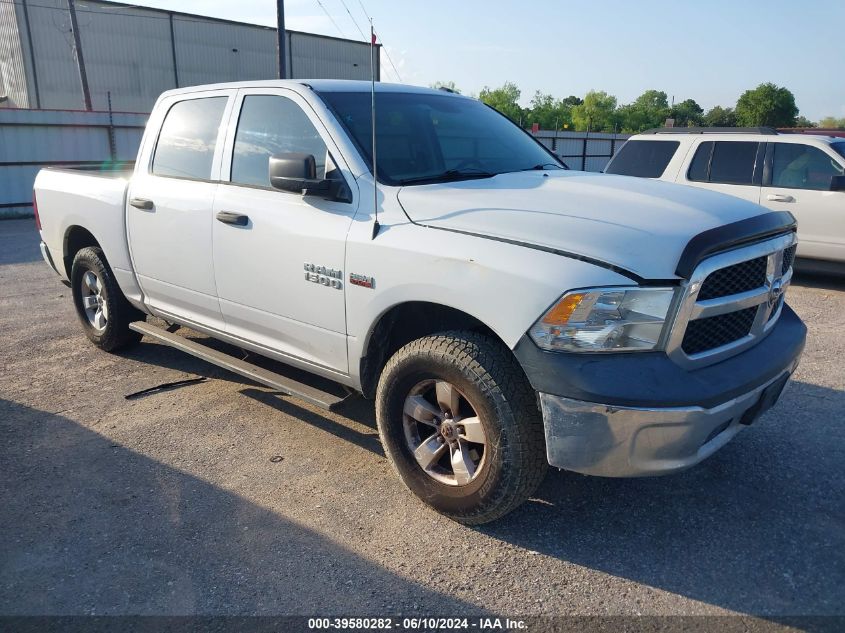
<point>612,441</point>
<point>628,415</point>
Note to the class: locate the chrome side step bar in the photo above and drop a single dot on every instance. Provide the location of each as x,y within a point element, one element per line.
<point>286,385</point>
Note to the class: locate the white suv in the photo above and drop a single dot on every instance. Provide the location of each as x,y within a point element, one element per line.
<point>783,172</point>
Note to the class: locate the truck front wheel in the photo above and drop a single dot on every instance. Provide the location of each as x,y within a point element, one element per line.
<point>460,424</point>
<point>104,312</point>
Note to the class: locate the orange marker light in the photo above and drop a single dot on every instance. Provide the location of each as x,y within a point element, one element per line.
<point>560,314</point>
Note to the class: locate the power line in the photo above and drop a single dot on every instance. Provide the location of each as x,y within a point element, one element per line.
<point>361,4</point>
<point>392,65</point>
<point>384,48</point>
<point>329,16</point>
<point>354,21</point>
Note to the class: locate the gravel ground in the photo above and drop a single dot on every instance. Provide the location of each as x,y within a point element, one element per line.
<point>170,504</point>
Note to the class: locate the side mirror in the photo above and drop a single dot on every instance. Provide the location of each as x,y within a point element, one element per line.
<point>293,172</point>
<point>837,183</point>
<point>297,173</point>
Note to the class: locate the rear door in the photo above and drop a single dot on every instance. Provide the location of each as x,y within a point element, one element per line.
<point>280,276</point>
<point>732,167</point>
<point>170,202</point>
<point>798,180</point>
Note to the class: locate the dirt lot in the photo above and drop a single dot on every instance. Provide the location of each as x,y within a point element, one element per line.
<point>170,504</point>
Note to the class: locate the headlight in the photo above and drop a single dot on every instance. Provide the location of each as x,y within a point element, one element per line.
<point>605,320</point>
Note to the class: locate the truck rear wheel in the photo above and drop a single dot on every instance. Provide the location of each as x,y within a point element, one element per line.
<point>104,312</point>
<point>460,424</point>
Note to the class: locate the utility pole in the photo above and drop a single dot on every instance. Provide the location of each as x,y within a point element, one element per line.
<point>280,26</point>
<point>77,49</point>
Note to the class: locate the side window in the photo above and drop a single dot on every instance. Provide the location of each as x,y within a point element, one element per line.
<point>186,143</point>
<point>727,162</point>
<point>646,159</point>
<point>799,166</point>
<point>699,168</point>
<point>733,162</point>
<point>273,125</point>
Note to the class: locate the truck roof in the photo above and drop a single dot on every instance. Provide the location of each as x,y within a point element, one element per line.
<point>319,85</point>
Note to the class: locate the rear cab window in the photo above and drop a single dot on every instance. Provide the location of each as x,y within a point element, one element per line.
<point>644,159</point>
<point>188,138</point>
<point>725,162</point>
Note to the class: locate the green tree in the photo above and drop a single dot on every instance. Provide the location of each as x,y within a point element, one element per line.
<point>549,113</point>
<point>597,112</point>
<point>803,121</point>
<point>649,110</point>
<point>687,113</point>
<point>717,116</point>
<point>768,105</point>
<point>504,99</point>
<point>447,85</point>
<point>831,122</point>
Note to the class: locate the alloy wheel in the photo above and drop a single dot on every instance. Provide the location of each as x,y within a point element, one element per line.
<point>444,432</point>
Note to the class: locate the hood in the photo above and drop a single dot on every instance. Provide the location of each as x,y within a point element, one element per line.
<point>635,224</point>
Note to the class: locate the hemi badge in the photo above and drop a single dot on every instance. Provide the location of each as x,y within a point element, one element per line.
<point>362,280</point>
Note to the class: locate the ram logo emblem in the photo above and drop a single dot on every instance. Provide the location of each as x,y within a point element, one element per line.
<point>329,277</point>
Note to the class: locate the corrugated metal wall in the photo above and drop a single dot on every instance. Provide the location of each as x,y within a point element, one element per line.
<point>12,70</point>
<point>138,53</point>
<point>317,57</point>
<point>52,42</point>
<point>127,53</point>
<point>210,52</point>
<point>32,139</point>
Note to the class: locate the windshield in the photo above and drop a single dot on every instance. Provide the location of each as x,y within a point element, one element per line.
<point>839,148</point>
<point>424,138</point>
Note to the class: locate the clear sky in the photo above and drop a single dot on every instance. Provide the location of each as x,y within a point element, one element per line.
<point>708,50</point>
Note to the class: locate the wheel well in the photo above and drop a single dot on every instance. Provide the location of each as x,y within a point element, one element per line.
<point>76,238</point>
<point>404,323</point>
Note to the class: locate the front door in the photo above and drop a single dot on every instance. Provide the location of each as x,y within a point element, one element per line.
<point>280,273</point>
<point>170,202</point>
<point>800,178</point>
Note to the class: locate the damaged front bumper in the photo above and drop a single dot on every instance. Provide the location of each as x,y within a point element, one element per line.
<point>612,441</point>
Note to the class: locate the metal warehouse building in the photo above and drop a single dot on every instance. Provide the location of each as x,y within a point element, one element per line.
<point>137,53</point>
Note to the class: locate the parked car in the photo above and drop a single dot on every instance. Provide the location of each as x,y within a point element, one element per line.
<point>504,313</point>
<point>799,173</point>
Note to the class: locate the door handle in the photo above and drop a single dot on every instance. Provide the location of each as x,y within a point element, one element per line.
<point>231,217</point>
<point>779,197</point>
<point>142,203</point>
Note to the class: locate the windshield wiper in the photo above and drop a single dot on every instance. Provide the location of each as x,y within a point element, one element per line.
<point>542,167</point>
<point>450,175</point>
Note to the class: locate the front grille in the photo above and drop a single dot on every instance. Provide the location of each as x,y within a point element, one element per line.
<point>728,303</point>
<point>788,258</point>
<point>775,309</point>
<point>734,279</point>
<point>712,332</point>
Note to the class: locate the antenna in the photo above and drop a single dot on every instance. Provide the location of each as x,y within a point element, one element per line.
<point>373,111</point>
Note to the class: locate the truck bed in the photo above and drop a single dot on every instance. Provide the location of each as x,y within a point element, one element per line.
<point>115,170</point>
<point>86,199</point>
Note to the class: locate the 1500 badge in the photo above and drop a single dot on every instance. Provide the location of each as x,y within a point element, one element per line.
<point>324,276</point>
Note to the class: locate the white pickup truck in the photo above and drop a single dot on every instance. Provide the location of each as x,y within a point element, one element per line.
<point>502,311</point>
